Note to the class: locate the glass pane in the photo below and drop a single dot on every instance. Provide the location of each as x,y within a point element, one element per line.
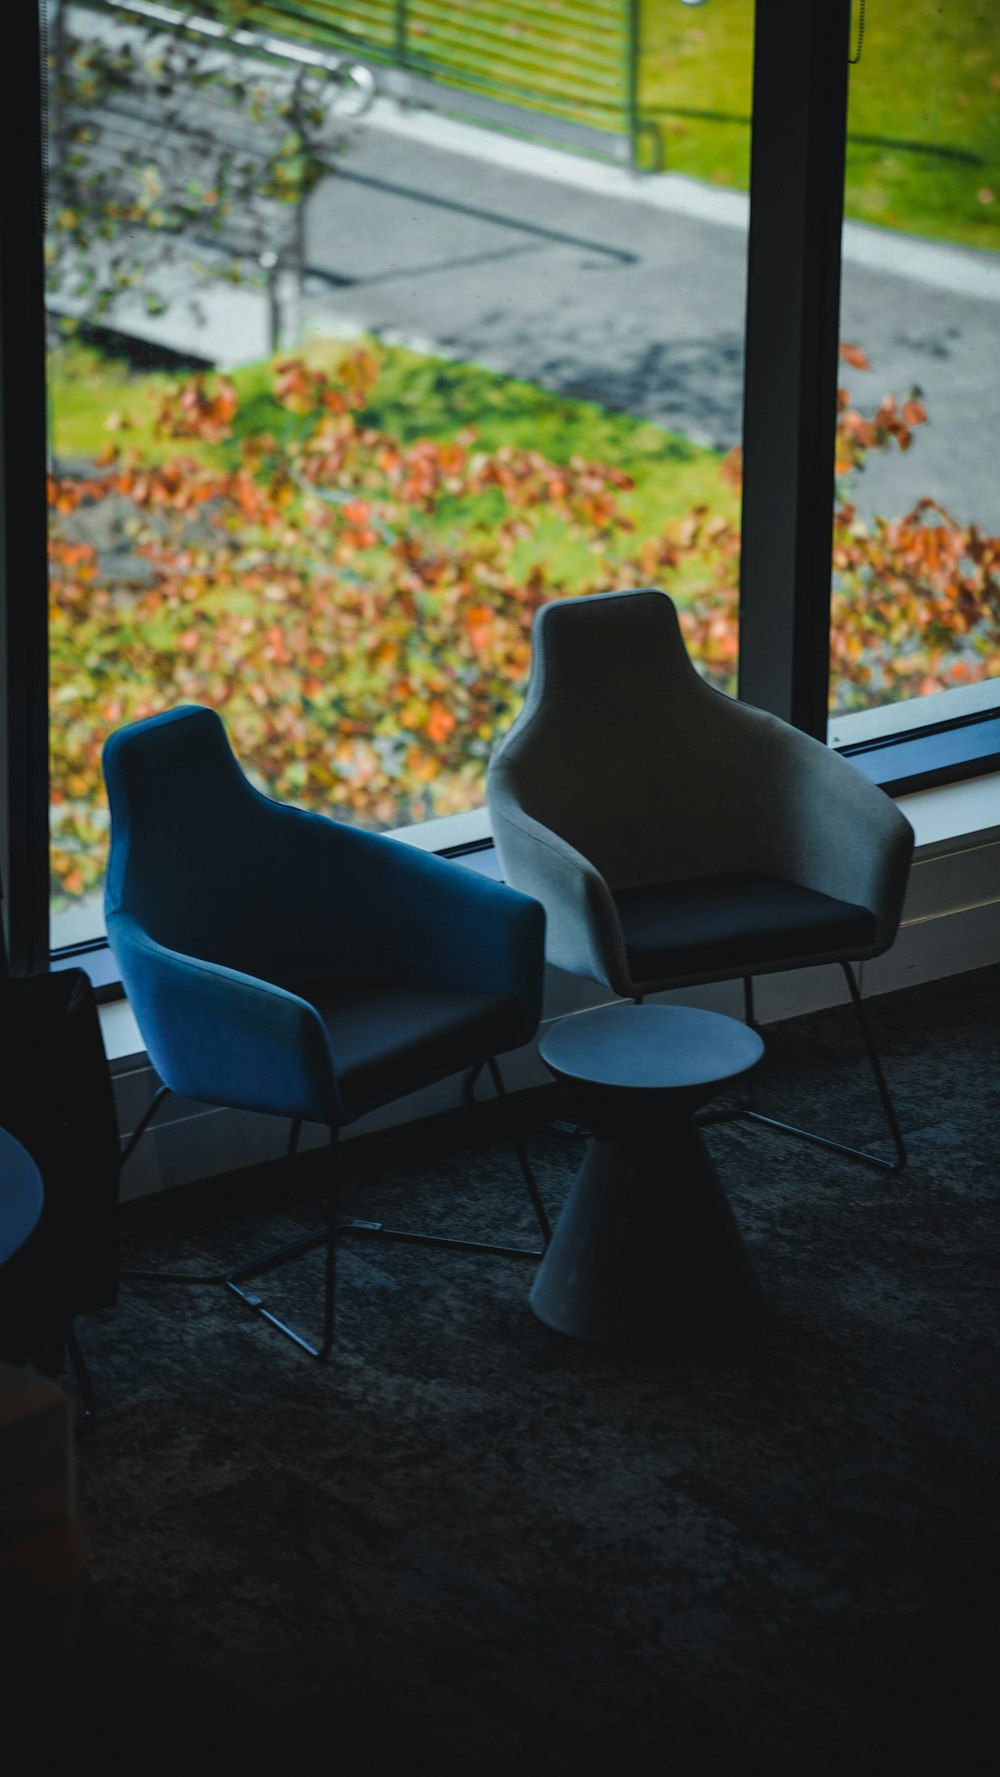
<point>917,548</point>
<point>341,391</point>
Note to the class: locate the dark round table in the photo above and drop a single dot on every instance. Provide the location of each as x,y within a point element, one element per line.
<point>647,1253</point>
<point>21,1196</point>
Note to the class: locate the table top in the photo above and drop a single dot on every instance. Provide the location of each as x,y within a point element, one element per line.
<point>649,1047</point>
<point>21,1196</point>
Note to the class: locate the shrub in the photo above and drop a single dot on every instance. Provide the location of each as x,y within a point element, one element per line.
<point>359,609</point>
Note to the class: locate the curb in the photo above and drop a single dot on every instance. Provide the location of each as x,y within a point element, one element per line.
<point>965,271</point>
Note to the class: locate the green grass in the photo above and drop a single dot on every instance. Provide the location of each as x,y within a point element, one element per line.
<point>924,121</point>
<point>416,396</point>
<point>924,151</point>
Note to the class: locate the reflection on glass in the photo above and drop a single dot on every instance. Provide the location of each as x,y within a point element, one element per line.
<point>916,588</point>
<point>329,421</point>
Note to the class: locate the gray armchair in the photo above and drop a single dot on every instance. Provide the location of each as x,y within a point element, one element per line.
<point>675,836</point>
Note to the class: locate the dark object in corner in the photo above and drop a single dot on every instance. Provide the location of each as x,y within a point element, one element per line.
<point>56,1099</point>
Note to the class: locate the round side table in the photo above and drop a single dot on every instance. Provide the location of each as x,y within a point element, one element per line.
<point>647,1253</point>
<point>21,1196</point>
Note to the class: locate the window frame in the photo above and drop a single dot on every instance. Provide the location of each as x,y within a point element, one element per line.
<point>24,729</point>
<point>799,134</point>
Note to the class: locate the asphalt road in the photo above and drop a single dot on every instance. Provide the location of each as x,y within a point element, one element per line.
<point>564,275</point>
<point>635,307</point>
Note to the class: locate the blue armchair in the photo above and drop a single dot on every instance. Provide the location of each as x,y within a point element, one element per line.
<point>280,961</point>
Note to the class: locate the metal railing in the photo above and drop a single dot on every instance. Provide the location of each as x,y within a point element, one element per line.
<point>131,127</point>
<point>564,71</point>
<point>354,85</point>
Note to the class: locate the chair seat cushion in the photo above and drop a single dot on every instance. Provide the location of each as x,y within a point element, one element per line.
<point>708,925</point>
<point>389,1038</point>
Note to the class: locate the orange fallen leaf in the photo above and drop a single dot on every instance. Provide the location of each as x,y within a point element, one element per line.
<point>854,356</point>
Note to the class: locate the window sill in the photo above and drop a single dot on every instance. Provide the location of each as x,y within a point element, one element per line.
<point>926,741</point>
<point>955,816</point>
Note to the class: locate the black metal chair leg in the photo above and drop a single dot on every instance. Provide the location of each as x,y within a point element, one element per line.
<point>749,1015</point>
<point>328,1236</point>
<point>143,1124</point>
<point>521,1152</point>
<point>160,1276</point>
<point>330,1272</point>
<point>189,1276</point>
<point>469,1083</point>
<point>876,1067</point>
<point>456,1243</point>
<point>748,1114</point>
<point>239,1279</point>
<point>82,1375</point>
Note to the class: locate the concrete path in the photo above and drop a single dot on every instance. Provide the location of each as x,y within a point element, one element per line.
<point>630,291</point>
<point>624,289</point>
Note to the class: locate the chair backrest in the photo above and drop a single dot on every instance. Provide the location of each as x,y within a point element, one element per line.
<point>625,752</point>
<point>204,862</point>
<point>620,746</point>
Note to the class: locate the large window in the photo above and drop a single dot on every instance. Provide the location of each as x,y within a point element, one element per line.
<point>341,391</point>
<point>916,606</point>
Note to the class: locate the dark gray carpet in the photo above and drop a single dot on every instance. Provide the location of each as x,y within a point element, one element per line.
<point>469,1545</point>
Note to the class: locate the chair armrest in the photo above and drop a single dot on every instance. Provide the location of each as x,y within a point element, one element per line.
<point>863,848</point>
<point>823,824</point>
<point>584,934</point>
<point>442,925</point>
<point>222,1037</point>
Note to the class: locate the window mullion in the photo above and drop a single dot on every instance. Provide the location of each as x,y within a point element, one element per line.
<point>790,388</point>
<point>24,838</point>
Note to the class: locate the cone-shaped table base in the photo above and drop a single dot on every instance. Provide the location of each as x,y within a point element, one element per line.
<point>647,1253</point>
